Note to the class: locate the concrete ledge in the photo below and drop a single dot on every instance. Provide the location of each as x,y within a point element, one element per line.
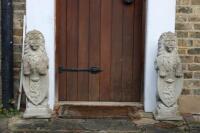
<point>189,104</point>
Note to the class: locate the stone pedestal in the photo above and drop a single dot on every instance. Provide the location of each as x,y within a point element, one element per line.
<point>167,113</point>
<point>40,111</point>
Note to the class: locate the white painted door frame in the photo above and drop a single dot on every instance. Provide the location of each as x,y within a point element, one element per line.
<point>160,17</point>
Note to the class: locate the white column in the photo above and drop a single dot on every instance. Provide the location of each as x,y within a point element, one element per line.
<point>160,18</point>
<point>41,16</point>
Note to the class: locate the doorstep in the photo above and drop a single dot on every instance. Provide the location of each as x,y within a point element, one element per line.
<point>107,125</point>
<point>93,110</point>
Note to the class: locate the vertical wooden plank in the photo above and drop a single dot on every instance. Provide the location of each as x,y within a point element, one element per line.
<point>143,10</point>
<point>127,66</point>
<point>83,78</point>
<point>106,15</point>
<point>72,48</point>
<point>138,51</point>
<point>61,23</point>
<point>94,48</point>
<point>116,67</point>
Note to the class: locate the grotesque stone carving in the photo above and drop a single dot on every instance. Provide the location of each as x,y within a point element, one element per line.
<point>170,78</point>
<point>35,76</point>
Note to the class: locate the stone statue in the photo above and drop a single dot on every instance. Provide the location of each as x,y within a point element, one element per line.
<point>170,78</point>
<point>35,76</point>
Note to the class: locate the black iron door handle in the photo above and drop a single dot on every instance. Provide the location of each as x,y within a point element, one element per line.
<point>92,70</point>
<point>128,2</point>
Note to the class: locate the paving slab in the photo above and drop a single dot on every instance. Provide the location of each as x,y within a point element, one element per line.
<point>193,122</point>
<point>3,125</point>
<point>60,125</point>
<point>73,125</point>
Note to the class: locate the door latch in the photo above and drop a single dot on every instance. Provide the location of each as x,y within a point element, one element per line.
<point>92,70</point>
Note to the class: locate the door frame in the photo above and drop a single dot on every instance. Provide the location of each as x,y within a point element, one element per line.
<point>159,18</point>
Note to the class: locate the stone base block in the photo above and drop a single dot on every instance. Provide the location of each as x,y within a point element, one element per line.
<point>167,117</point>
<point>37,113</point>
<point>164,112</point>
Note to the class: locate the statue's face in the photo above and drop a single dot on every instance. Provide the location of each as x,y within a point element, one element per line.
<point>34,45</point>
<point>170,44</point>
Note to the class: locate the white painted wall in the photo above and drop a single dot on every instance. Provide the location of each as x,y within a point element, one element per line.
<point>160,18</point>
<point>41,16</point>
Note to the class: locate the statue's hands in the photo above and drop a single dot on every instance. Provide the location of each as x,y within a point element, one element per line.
<point>162,74</point>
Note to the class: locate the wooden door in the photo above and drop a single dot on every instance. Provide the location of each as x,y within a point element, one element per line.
<point>101,33</point>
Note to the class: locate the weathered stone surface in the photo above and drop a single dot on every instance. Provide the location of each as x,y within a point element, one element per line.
<point>191,84</point>
<point>18,32</point>
<point>197,26</point>
<point>4,125</point>
<point>17,22</point>
<point>189,43</point>
<point>182,34</point>
<point>170,78</point>
<point>17,48</point>
<point>189,104</point>
<point>186,92</point>
<point>196,43</point>
<point>36,125</point>
<point>182,51</point>
<point>194,51</point>
<point>187,59</point>
<point>185,43</point>
<point>183,2</point>
<point>196,10</point>
<point>183,26</point>
<point>74,125</point>
<point>184,9</point>
<point>196,75</point>
<point>195,2</point>
<point>188,75</point>
<point>194,18</point>
<point>196,118</point>
<point>19,6</point>
<point>35,76</point>
<point>18,14</point>
<point>17,39</point>
<point>95,126</point>
<point>17,57</point>
<point>181,18</point>
<point>145,121</point>
<point>194,67</point>
<point>196,92</point>
<point>194,34</point>
<point>15,73</point>
<point>197,59</point>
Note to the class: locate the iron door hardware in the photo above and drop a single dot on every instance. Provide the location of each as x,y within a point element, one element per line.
<point>128,2</point>
<point>92,70</point>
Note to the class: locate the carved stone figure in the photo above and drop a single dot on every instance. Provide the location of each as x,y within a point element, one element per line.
<point>35,76</point>
<point>170,78</point>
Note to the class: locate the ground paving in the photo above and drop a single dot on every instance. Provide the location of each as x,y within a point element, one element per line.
<point>190,124</point>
